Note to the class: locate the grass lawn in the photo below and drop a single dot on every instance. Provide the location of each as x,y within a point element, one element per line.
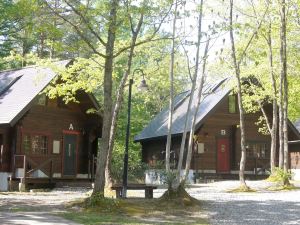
<point>139,211</point>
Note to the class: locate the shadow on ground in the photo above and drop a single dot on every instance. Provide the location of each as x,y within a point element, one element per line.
<point>248,212</point>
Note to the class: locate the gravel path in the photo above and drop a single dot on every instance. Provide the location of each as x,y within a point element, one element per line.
<point>37,208</point>
<point>258,208</point>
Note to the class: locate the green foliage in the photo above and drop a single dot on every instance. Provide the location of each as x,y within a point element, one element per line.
<point>107,204</point>
<point>169,178</point>
<point>280,176</point>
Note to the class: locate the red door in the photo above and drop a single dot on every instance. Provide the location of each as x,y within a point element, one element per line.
<point>223,155</point>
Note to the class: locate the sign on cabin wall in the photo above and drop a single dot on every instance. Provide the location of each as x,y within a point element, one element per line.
<point>56,147</point>
<point>71,127</point>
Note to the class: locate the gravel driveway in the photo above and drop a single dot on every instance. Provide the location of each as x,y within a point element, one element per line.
<point>259,208</point>
<point>37,208</point>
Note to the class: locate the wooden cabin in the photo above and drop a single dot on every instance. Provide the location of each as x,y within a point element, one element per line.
<point>217,150</point>
<point>294,150</point>
<point>44,140</point>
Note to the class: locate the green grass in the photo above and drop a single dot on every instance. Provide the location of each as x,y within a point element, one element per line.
<point>242,189</point>
<point>290,187</point>
<point>138,211</point>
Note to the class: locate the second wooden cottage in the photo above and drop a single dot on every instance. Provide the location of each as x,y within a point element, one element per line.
<point>217,138</point>
<point>44,140</point>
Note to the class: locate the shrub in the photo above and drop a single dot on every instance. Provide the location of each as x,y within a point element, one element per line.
<point>280,176</point>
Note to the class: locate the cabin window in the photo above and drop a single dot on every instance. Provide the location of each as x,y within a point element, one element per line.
<point>35,144</point>
<point>26,143</point>
<point>232,103</point>
<point>256,149</point>
<point>42,99</point>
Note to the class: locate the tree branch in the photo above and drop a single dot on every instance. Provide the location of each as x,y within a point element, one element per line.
<point>85,22</point>
<point>79,32</point>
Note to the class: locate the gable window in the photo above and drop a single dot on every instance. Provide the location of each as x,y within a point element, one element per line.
<point>42,100</point>
<point>256,149</point>
<point>232,103</point>
<point>35,144</point>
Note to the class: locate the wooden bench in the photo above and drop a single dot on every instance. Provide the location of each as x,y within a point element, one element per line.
<point>148,189</point>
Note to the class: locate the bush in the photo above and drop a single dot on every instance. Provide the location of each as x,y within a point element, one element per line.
<point>280,176</point>
<point>105,204</point>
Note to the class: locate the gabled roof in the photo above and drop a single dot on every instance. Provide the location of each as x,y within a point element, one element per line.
<point>212,95</point>
<point>297,125</point>
<point>19,88</point>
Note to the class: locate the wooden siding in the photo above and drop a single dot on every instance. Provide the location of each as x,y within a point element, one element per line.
<point>51,121</point>
<point>208,133</point>
<point>5,157</point>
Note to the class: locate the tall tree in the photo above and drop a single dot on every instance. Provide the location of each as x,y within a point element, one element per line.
<point>86,16</point>
<point>107,101</point>
<point>171,101</point>
<point>236,65</point>
<point>283,76</point>
<point>194,81</point>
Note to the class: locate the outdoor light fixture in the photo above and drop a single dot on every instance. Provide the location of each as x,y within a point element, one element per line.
<point>142,87</point>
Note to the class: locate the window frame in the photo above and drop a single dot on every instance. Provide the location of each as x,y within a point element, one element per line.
<point>31,134</point>
<point>40,96</point>
<point>253,154</point>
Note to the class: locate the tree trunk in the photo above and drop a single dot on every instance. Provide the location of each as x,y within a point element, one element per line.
<point>107,103</point>
<point>119,101</point>
<point>194,81</point>
<point>283,62</point>
<point>240,102</point>
<point>273,131</point>
<point>280,124</point>
<point>192,130</point>
<point>171,103</point>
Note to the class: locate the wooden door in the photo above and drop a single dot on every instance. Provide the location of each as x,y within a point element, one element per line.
<point>70,150</point>
<point>223,155</point>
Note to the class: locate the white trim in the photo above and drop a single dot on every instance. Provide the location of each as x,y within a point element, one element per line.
<point>83,176</point>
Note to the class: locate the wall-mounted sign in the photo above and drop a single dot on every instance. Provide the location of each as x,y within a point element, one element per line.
<point>223,132</point>
<point>71,127</point>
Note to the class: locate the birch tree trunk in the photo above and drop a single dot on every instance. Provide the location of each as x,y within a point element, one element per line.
<point>280,123</point>
<point>283,62</point>
<point>194,81</point>
<point>192,130</point>
<point>107,103</point>
<point>119,100</point>
<point>171,103</point>
<point>240,102</point>
<point>273,130</point>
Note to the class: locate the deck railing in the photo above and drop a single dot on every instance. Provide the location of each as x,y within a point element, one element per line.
<point>36,166</point>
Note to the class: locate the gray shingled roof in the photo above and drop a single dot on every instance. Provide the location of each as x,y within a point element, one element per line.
<point>18,88</point>
<point>158,127</point>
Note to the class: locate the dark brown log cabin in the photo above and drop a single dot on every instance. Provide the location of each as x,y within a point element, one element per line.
<point>217,138</point>
<point>42,139</point>
<point>294,149</point>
